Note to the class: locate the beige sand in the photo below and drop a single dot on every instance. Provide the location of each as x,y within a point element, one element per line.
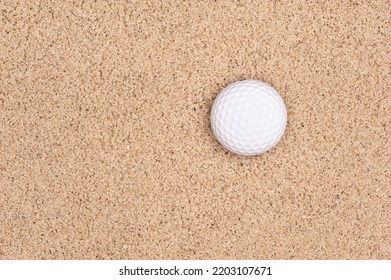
<point>106,151</point>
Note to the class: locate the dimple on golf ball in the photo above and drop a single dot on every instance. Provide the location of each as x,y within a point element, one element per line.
<point>248,117</point>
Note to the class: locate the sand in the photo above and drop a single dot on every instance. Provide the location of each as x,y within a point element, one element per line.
<point>106,150</point>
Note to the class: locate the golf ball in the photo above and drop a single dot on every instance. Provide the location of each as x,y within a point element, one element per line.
<point>248,117</point>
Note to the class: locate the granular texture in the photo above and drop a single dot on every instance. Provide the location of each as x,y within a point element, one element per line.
<point>106,149</point>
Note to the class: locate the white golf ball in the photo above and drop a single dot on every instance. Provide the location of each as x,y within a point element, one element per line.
<point>248,117</point>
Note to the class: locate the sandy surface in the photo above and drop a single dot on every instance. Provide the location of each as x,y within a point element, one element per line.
<point>106,150</point>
